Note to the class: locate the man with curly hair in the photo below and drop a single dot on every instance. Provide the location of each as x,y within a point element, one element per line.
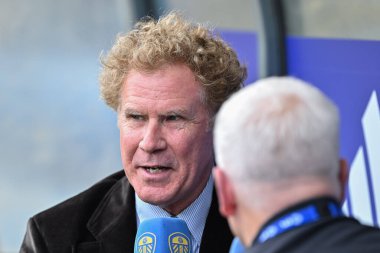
<point>166,79</point>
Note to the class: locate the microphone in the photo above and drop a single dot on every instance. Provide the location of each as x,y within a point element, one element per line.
<point>236,246</point>
<point>163,235</point>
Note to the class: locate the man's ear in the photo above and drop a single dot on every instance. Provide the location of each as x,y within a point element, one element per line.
<point>343,178</point>
<point>225,192</point>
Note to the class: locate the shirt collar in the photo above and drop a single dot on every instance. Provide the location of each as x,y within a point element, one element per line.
<point>194,215</point>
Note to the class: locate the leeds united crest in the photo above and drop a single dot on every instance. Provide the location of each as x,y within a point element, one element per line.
<point>146,243</point>
<point>179,243</point>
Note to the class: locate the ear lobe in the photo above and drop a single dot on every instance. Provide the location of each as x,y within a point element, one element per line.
<point>343,178</point>
<point>225,192</point>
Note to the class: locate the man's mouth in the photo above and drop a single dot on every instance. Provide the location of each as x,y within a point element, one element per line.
<point>155,169</point>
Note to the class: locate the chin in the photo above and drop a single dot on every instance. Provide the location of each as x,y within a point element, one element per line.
<point>153,198</point>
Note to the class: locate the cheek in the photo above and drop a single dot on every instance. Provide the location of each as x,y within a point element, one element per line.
<point>128,145</point>
<point>202,142</point>
<point>194,148</point>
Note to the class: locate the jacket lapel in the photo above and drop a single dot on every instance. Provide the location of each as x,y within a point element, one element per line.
<point>113,223</point>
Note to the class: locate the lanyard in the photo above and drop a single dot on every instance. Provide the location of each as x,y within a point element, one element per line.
<point>297,218</point>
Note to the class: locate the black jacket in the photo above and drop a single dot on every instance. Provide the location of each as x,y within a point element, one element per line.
<point>103,219</point>
<point>327,235</point>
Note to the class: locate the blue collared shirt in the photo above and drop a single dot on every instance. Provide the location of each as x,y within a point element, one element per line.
<point>194,215</point>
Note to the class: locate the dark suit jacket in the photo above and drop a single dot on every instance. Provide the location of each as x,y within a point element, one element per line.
<point>103,219</point>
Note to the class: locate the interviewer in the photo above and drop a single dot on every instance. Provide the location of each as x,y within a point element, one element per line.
<point>279,178</point>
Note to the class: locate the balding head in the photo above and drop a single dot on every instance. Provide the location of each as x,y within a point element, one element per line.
<point>278,131</point>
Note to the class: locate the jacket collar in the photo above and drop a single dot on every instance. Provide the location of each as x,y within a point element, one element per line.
<point>113,223</point>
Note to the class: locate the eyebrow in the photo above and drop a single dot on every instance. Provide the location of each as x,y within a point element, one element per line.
<point>178,111</point>
<point>129,110</point>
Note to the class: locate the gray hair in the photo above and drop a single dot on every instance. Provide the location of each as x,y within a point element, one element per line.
<point>278,128</point>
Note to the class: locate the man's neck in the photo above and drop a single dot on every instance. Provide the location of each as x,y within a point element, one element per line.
<point>194,215</point>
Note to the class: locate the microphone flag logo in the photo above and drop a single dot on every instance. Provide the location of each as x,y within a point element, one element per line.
<point>179,243</point>
<point>146,243</point>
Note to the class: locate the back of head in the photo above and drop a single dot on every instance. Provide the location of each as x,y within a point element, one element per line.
<point>172,40</point>
<point>278,129</point>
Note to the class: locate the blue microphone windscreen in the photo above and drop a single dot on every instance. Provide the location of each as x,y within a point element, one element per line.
<point>163,235</point>
<point>237,246</point>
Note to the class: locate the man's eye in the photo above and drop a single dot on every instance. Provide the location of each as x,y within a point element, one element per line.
<point>173,118</point>
<point>137,117</point>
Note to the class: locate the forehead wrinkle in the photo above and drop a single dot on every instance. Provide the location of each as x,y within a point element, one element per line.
<point>159,92</point>
<point>184,108</point>
<point>173,97</point>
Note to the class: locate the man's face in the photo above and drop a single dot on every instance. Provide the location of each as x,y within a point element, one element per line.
<point>165,138</point>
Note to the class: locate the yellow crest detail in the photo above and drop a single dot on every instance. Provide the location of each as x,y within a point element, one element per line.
<point>179,243</point>
<point>146,243</point>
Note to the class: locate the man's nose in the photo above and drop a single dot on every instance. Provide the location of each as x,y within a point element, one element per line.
<point>153,139</point>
